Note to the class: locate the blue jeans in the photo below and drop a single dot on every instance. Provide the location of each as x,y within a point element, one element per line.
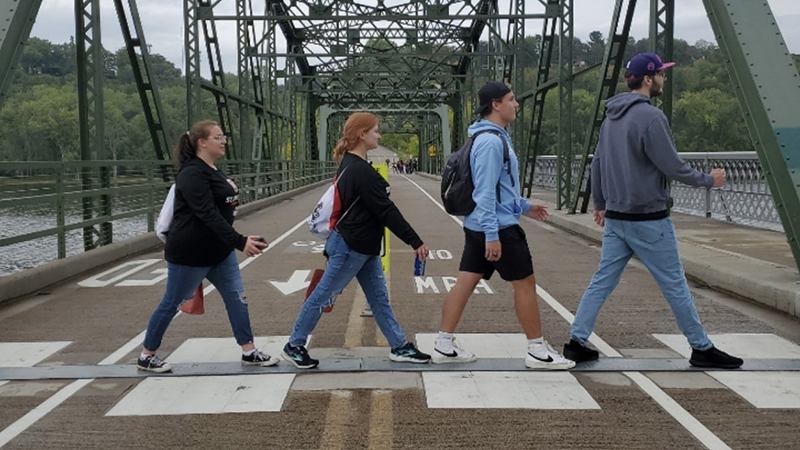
<point>343,265</point>
<point>181,284</point>
<point>654,242</point>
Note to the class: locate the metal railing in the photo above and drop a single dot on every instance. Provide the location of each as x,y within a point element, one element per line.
<point>50,210</point>
<point>745,199</point>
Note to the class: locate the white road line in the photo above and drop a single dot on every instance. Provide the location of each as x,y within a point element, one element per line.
<point>33,416</point>
<point>688,421</point>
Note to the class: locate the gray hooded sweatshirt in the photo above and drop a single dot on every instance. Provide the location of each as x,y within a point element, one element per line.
<point>634,158</point>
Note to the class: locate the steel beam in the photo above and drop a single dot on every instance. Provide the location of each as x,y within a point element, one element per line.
<point>765,80</point>
<point>16,21</point>
<point>566,155</point>
<point>194,95</point>
<point>612,66</point>
<point>145,82</point>
<point>662,34</point>
<point>91,71</point>
<point>546,50</point>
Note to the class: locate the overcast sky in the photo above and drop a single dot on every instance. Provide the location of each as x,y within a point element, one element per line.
<point>163,23</point>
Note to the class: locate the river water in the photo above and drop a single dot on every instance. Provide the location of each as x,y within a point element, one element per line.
<point>25,255</point>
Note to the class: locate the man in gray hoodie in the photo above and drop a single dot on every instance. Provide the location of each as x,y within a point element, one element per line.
<point>634,160</point>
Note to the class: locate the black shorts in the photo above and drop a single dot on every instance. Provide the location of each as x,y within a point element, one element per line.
<point>515,261</point>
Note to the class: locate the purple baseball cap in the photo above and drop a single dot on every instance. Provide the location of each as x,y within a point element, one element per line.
<point>647,63</point>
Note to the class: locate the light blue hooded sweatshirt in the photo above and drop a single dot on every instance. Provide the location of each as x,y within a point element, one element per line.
<point>487,166</point>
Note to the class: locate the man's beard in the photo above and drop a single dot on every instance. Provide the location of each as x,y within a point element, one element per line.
<point>656,90</point>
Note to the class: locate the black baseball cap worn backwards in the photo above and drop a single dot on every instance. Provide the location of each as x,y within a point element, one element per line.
<point>490,92</point>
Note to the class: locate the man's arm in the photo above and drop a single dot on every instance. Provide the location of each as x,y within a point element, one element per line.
<point>660,148</point>
<point>487,164</point>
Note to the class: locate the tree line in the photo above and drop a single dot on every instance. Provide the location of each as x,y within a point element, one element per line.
<point>40,116</point>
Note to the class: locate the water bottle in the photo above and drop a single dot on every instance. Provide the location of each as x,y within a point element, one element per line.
<point>419,267</point>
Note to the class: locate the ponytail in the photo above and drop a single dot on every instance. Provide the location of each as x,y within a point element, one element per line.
<point>186,148</point>
<point>341,148</point>
<point>355,127</point>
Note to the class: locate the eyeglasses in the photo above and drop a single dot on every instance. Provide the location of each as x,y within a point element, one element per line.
<point>220,137</point>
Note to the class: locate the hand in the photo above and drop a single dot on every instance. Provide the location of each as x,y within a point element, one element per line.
<point>600,217</point>
<point>719,177</point>
<point>494,251</point>
<point>255,245</point>
<point>538,212</point>
<point>422,252</point>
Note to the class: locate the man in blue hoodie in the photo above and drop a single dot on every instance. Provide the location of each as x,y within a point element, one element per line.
<point>494,241</point>
<point>634,160</point>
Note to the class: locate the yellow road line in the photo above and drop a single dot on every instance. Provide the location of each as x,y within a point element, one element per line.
<point>352,336</point>
<point>336,421</point>
<point>379,337</point>
<point>380,421</point>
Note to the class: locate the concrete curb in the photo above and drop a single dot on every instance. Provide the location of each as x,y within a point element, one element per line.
<point>31,281</point>
<point>759,281</point>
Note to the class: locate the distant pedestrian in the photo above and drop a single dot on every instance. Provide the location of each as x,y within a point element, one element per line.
<point>494,241</point>
<point>634,160</point>
<point>201,244</point>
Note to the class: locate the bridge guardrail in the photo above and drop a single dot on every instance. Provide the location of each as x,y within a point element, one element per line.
<point>745,199</point>
<point>45,206</point>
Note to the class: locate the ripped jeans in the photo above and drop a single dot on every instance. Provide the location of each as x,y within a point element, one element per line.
<point>344,264</point>
<point>182,281</point>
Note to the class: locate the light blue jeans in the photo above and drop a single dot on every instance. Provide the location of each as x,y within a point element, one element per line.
<point>654,242</point>
<point>181,284</point>
<point>344,264</point>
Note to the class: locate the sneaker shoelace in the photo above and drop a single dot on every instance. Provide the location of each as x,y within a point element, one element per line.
<point>154,361</point>
<point>458,349</point>
<point>550,351</point>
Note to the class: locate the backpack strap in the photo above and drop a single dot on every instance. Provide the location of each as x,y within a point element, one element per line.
<point>506,158</point>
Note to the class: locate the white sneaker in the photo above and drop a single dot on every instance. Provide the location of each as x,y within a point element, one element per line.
<point>448,351</point>
<point>543,356</point>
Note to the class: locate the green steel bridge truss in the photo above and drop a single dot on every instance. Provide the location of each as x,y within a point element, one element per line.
<point>303,65</point>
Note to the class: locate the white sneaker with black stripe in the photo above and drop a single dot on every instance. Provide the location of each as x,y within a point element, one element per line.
<point>448,351</point>
<point>545,357</point>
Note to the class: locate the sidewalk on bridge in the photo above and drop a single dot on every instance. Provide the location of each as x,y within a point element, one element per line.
<point>752,263</point>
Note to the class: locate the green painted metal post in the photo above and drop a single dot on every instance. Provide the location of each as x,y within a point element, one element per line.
<point>91,114</point>
<point>662,33</point>
<point>767,85</point>
<point>61,236</point>
<point>566,155</point>
<point>16,21</point>
<point>192,70</point>
<point>610,71</point>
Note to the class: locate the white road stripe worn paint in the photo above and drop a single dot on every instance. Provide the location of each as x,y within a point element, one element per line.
<point>692,425</point>
<point>24,422</point>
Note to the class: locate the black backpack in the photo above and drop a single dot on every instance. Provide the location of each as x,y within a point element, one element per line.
<point>457,183</point>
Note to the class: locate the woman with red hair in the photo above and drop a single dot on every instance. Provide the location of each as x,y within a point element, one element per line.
<point>353,247</point>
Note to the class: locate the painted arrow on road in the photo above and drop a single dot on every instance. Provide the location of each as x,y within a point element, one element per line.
<point>295,283</point>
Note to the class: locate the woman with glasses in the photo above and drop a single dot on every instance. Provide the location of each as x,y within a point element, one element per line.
<point>201,244</point>
<point>353,248</point>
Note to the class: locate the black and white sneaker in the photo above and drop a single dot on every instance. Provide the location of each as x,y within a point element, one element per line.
<point>153,363</point>
<point>299,357</point>
<point>259,358</point>
<point>544,356</point>
<point>448,351</point>
<point>408,352</point>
